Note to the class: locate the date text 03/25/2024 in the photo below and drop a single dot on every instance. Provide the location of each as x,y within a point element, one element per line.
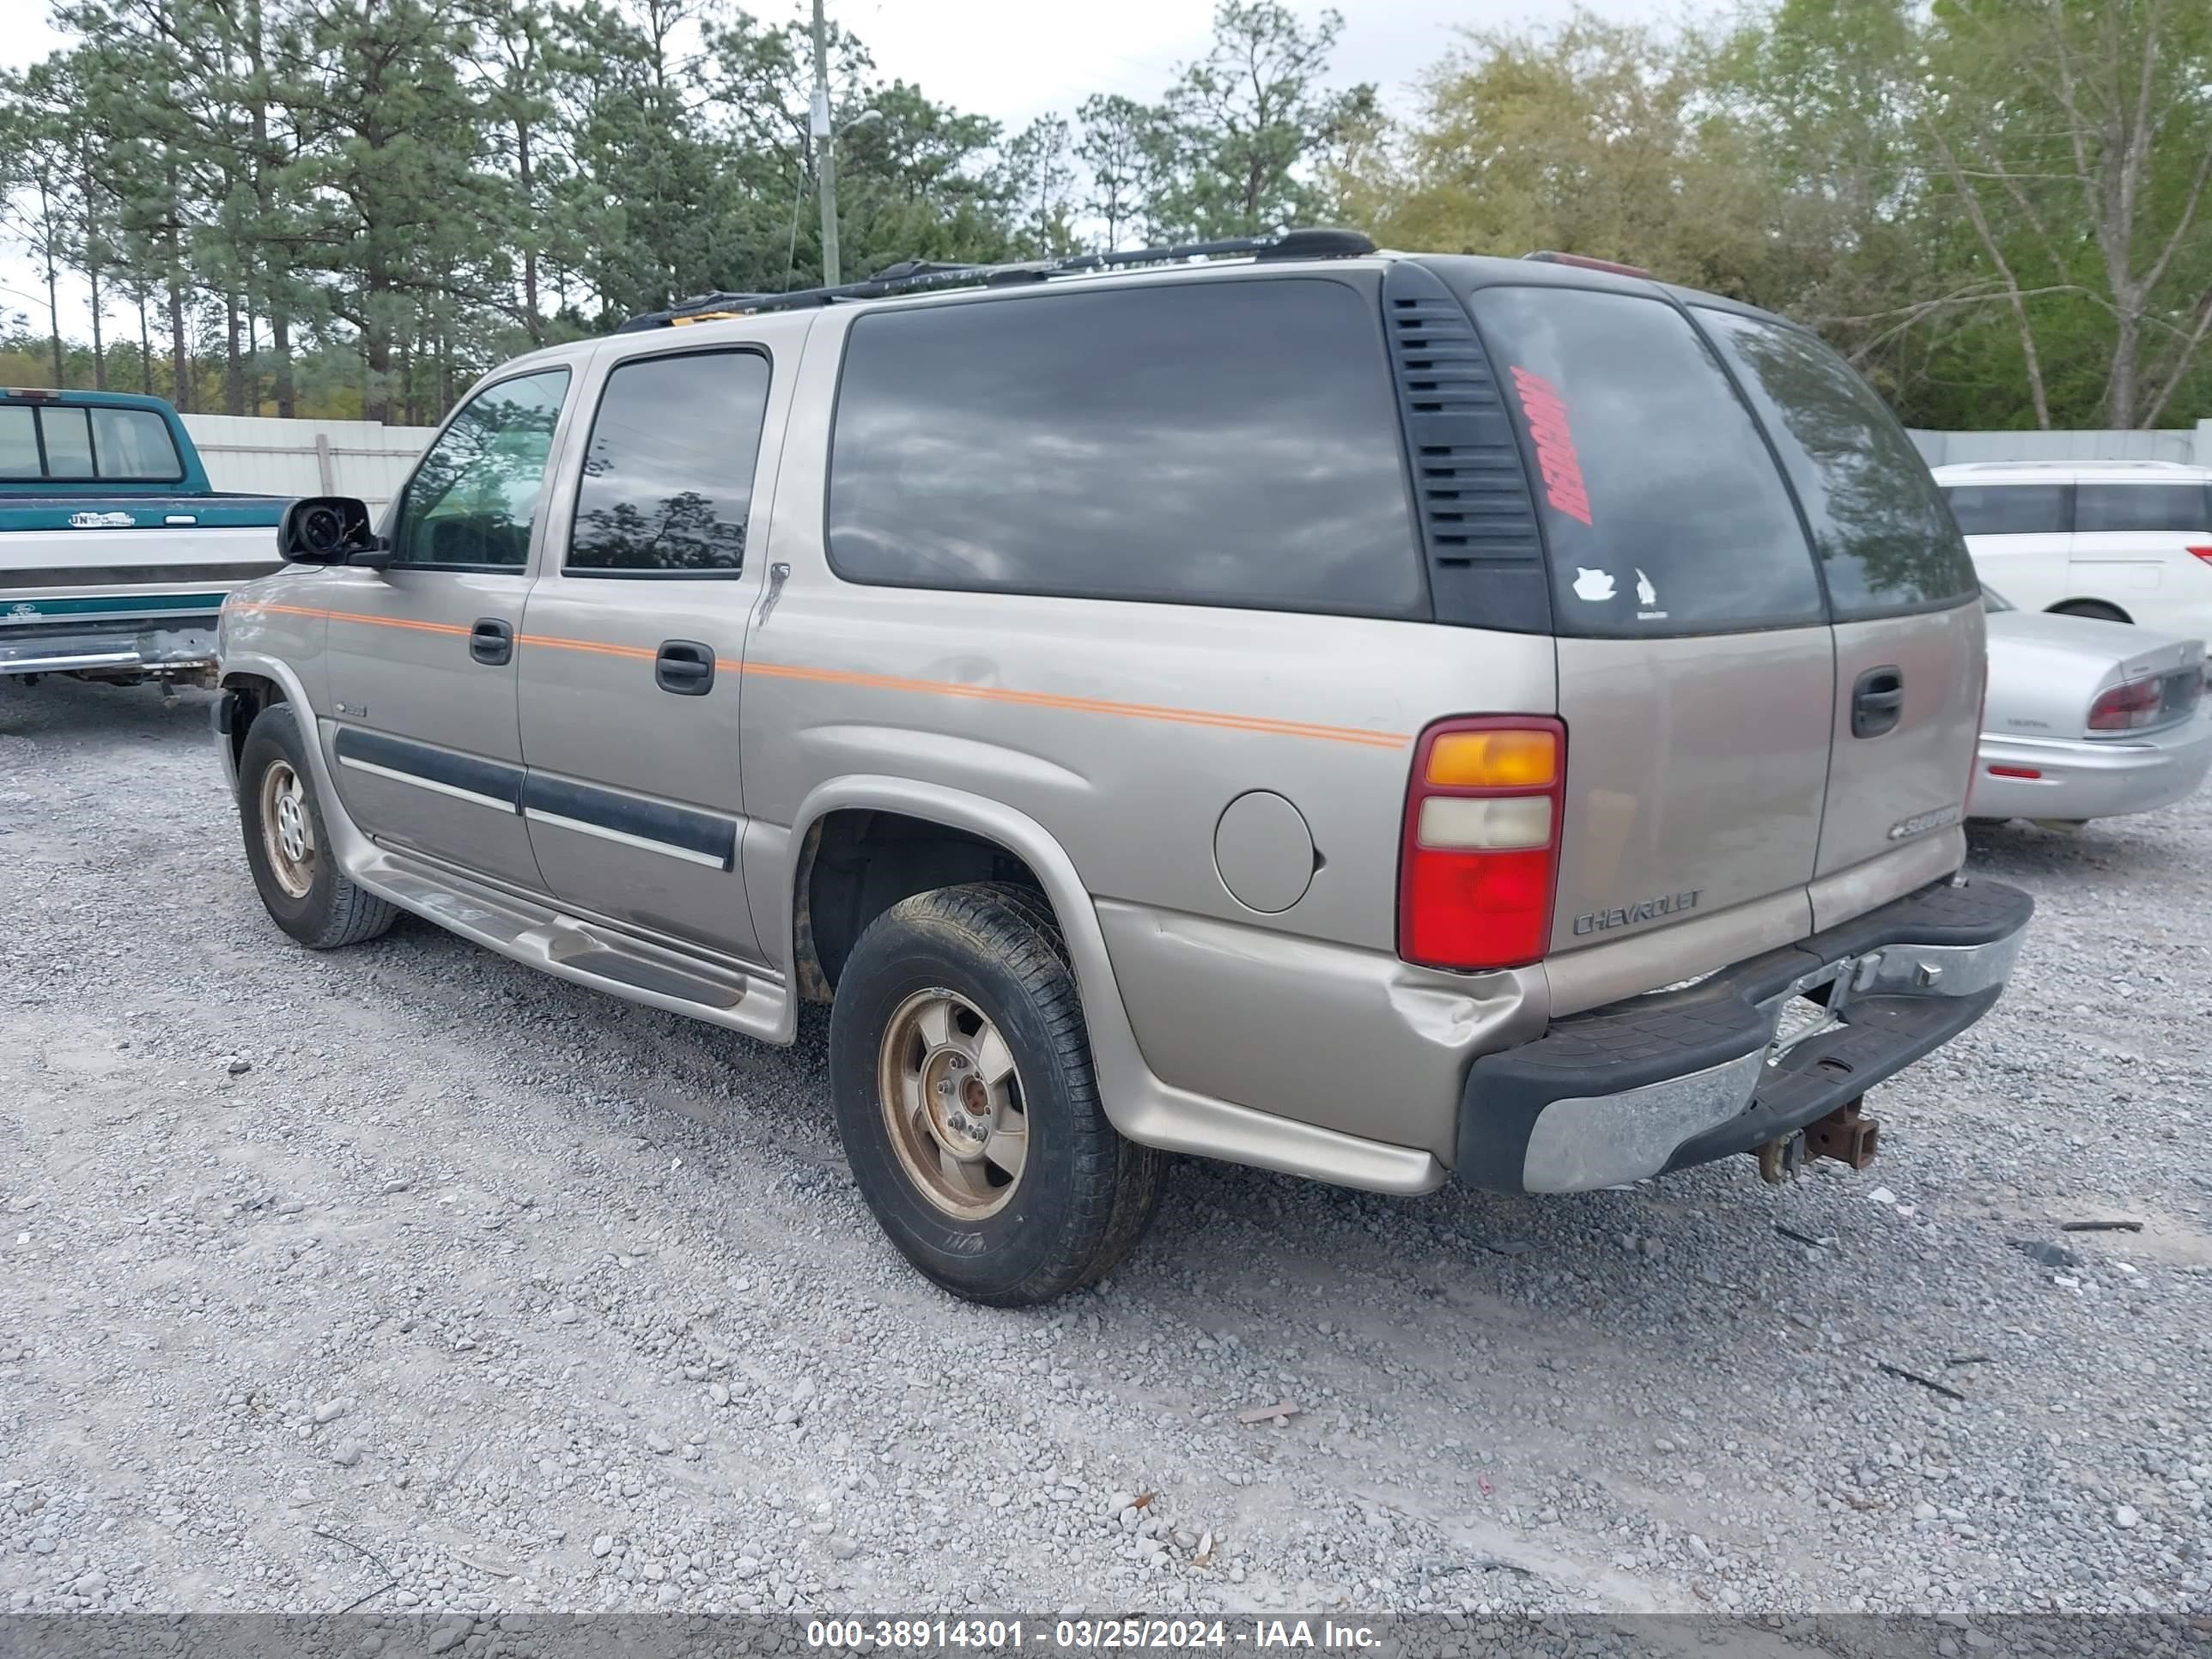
<point>1085,1635</point>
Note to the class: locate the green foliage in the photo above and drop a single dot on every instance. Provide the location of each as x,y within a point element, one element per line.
<point>1998,208</point>
<point>1593,139</point>
<point>1117,150</point>
<point>1040,183</point>
<point>1226,149</point>
<point>354,207</point>
<point>2077,142</point>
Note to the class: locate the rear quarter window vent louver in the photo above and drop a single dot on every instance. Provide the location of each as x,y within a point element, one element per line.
<point>1470,485</point>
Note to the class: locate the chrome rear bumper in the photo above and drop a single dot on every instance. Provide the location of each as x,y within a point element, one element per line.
<point>158,650</point>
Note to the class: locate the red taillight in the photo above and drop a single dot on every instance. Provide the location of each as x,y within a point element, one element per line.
<point>2013,772</point>
<point>2204,553</point>
<point>2126,708</point>
<point>1480,860</point>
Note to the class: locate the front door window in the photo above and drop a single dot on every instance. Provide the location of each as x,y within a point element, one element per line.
<point>472,501</point>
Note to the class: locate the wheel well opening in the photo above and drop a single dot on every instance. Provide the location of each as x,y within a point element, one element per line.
<point>2099,610</point>
<point>253,693</point>
<point>856,863</point>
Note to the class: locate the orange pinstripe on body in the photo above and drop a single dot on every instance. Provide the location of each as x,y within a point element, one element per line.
<point>346,616</point>
<point>241,606</point>
<point>1257,724</point>
<point>594,645</point>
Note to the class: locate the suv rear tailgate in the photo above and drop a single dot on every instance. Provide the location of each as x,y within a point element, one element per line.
<point>1906,608</point>
<point>1897,797</point>
<point>1696,669</point>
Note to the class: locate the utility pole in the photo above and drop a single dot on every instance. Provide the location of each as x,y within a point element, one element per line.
<point>825,150</point>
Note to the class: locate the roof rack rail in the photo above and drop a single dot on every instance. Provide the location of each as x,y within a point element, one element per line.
<point>923,276</point>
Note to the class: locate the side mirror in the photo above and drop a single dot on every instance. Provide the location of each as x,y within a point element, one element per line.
<point>329,529</point>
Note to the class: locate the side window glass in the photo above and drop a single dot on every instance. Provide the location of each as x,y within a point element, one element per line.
<point>2009,509</point>
<point>19,442</point>
<point>2133,507</point>
<point>68,442</point>
<point>474,498</point>
<point>668,474</point>
<point>1228,442</point>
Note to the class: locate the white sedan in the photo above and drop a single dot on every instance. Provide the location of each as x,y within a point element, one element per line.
<point>2088,719</point>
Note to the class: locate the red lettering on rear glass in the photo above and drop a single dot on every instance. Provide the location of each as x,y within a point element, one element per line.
<point>1546,415</point>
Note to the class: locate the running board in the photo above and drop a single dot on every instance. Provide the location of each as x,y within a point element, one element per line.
<point>593,953</point>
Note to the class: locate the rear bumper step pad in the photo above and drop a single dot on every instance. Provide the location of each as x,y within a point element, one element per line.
<point>1663,1081</point>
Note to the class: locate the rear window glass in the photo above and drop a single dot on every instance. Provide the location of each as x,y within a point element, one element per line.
<point>2009,509</point>
<point>19,442</point>
<point>1225,442</point>
<point>2141,507</point>
<point>1663,512</point>
<point>68,442</point>
<point>135,443</point>
<point>1878,523</point>
<point>84,442</point>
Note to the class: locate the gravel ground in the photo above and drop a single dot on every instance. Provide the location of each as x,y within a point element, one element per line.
<point>405,1275</point>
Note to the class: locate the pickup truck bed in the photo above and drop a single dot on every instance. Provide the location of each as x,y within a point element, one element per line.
<point>118,578</point>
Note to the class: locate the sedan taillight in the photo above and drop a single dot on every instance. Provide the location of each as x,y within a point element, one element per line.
<point>2204,553</point>
<point>2127,708</point>
<point>1480,860</point>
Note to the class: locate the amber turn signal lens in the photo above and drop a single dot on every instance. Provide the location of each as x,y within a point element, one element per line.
<point>1501,759</point>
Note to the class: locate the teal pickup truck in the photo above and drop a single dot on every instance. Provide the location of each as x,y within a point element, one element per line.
<point>115,554</point>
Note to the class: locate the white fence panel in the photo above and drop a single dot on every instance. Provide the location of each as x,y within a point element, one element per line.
<point>2188,446</point>
<point>268,456</point>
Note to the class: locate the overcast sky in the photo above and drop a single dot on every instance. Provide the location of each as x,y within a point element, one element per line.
<point>1012,59</point>
<point>1016,59</point>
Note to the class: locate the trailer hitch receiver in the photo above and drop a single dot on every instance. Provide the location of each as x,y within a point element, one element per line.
<point>1846,1134</point>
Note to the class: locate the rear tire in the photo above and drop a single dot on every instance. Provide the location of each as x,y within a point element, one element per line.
<point>965,1098</point>
<point>2096,610</point>
<point>288,847</point>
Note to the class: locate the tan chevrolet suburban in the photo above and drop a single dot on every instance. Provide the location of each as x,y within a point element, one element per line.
<point>1378,718</point>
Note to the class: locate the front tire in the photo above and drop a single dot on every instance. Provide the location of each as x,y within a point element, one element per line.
<point>289,848</point>
<point>965,1098</point>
